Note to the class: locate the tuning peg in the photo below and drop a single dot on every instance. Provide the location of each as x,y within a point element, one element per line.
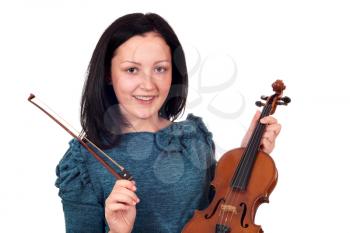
<point>259,103</point>
<point>281,103</point>
<point>286,99</point>
<point>264,97</point>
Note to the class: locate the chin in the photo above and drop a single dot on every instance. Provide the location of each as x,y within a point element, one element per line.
<point>144,116</point>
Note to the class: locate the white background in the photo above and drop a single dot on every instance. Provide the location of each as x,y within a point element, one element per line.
<point>45,49</point>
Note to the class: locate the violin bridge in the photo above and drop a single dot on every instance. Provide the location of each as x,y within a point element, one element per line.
<point>229,208</point>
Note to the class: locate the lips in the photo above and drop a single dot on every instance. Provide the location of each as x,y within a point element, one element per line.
<point>144,99</point>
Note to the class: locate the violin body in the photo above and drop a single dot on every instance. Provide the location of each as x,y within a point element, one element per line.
<point>235,212</point>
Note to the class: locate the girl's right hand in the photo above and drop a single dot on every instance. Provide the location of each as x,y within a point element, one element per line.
<point>120,210</point>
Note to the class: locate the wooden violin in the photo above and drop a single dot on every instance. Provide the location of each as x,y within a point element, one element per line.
<point>244,179</point>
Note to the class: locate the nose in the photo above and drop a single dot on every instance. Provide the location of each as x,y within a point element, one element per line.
<point>147,82</point>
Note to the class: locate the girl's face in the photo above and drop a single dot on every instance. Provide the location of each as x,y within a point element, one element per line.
<point>141,76</point>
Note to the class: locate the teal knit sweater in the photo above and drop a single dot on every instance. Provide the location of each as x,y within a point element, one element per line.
<point>172,167</point>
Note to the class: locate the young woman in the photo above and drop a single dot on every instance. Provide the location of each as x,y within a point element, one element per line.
<point>136,87</point>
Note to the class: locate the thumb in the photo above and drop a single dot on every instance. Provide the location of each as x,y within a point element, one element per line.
<point>251,128</point>
<point>254,121</point>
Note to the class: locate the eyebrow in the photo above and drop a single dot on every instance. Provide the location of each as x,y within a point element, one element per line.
<point>140,63</point>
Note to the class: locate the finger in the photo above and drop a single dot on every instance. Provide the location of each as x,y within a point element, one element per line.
<point>266,145</point>
<point>269,135</point>
<point>127,187</point>
<point>268,120</point>
<point>276,128</point>
<point>120,198</point>
<point>126,184</point>
<point>117,207</point>
<point>129,193</point>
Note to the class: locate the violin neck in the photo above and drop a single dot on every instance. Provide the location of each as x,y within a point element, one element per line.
<point>255,139</point>
<point>243,171</point>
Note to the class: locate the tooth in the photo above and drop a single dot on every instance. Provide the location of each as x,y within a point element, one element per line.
<point>144,97</point>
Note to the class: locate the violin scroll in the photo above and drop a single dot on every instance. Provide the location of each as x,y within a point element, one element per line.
<point>278,86</point>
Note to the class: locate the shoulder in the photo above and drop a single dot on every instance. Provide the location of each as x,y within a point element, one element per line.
<point>195,128</point>
<point>73,178</point>
<point>199,124</point>
<point>202,134</point>
<point>185,133</point>
<point>190,126</point>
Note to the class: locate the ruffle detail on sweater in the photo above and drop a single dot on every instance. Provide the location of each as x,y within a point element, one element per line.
<point>73,178</point>
<point>172,139</point>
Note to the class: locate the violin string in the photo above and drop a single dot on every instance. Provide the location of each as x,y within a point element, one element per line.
<point>36,99</point>
<point>228,194</point>
<point>267,110</point>
<point>245,163</point>
<point>250,150</point>
<point>228,198</point>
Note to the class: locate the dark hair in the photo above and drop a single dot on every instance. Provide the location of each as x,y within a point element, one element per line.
<point>100,116</point>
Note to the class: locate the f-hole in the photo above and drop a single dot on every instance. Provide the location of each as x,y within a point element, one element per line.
<point>244,206</point>
<point>207,216</point>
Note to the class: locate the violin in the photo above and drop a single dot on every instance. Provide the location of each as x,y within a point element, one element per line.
<point>244,179</point>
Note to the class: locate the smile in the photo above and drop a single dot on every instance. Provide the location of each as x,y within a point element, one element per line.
<point>144,99</point>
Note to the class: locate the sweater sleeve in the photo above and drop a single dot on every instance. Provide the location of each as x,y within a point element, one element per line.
<point>83,211</point>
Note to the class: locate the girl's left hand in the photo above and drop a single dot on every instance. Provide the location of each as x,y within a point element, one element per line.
<point>272,130</point>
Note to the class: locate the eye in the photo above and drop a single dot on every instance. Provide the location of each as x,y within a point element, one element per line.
<point>132,70</point>
<point>160,69</point>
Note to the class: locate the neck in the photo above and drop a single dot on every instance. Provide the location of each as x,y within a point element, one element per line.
<point>243,171</point>
<point>151,124</point>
